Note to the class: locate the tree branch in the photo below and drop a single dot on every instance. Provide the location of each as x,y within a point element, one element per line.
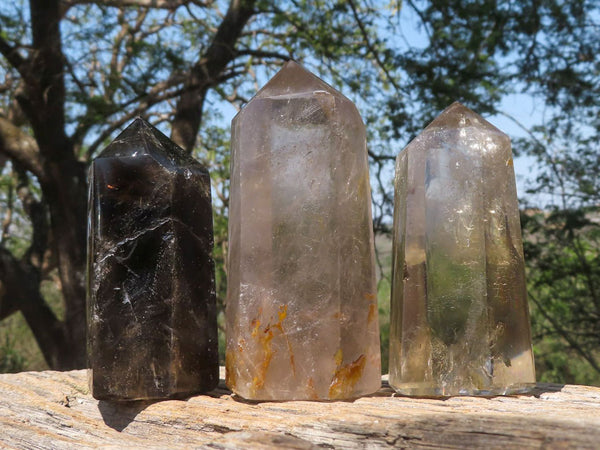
<point>38,216</point>
<point>263,54</point>
<point>151,99</point>
<point>20,147</point>
<point>21,292</point>
<point>566,335</point>
<point>188,113</point>
<point>6,223</point>
<point>371,48</point>
<point>156,4</point>
<point>15,59</point>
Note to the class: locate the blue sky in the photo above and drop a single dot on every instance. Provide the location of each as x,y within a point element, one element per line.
<point>521,107</point>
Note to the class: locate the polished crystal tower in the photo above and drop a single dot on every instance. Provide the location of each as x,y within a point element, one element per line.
<point>302,318</point>
<point>459,319</point>
<point>152,330</point>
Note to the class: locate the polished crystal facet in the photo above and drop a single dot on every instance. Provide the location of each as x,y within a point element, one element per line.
<point>460,321</point>
<point>301,304</point>
<point>152,329</point>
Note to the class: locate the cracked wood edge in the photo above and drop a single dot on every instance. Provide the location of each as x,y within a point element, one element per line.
<point>55,410</point>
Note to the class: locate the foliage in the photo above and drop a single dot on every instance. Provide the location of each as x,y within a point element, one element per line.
<point>11,361</point>
<point>562,249</point>
<point>562,240</point>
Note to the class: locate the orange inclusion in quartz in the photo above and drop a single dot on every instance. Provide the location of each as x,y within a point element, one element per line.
<point>265,337</point>
<point>346,377</point>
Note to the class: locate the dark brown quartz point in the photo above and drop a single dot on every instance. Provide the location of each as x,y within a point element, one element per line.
<point>152,329</point>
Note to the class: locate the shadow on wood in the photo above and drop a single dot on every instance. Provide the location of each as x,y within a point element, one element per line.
<point>118,415</point>
<point>546,388</point>
<point>54,410</point>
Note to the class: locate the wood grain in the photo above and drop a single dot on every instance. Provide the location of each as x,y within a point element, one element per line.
<point>50,410</point>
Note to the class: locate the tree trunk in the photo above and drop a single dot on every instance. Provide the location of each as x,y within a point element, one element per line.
<point>63,181</point>
<point>66,196</point>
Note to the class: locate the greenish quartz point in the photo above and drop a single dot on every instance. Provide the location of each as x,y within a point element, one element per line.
<point>459,314</point>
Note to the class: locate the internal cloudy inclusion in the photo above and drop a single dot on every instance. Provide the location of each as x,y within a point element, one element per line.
<point>301,305</point>
<point>460,321</point>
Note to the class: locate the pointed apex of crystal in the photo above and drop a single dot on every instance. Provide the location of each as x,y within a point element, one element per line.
<point>294,80</point>
<point>141,138</point>
<point>459,116</point>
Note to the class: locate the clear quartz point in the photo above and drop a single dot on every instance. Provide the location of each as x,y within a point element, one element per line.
<point>302,317</point>
<point>459,314</point>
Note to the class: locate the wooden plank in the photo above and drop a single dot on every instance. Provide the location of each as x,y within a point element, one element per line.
<point>49,410</point>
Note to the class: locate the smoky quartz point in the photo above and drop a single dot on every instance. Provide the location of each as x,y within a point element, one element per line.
<point>302,318</point>
<point>459,314</point>
<point>152,329</point>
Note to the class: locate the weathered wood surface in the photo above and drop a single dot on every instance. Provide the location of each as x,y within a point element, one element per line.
<point>55,410</point>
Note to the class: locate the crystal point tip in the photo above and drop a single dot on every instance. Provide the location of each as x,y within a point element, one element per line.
<point>458,115</point>
<point>142,138</point>
<point>293,78</point>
